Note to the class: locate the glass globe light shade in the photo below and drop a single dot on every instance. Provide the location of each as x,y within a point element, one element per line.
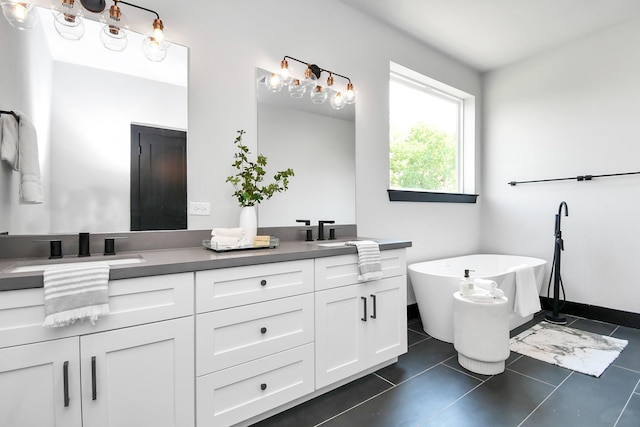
<point>154,45</point>
<point>114,30</point>
<point>310,79</point>
<point>337,101</point>
<point>350,94</point>
<point>20,14</point>
<point>68,19</point>
<point>297,89</point>
<point>319,95</point>
<point>274,82</point>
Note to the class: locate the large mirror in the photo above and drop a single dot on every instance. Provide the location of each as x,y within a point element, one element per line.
<point>318,143</point>
<point>82,100</point>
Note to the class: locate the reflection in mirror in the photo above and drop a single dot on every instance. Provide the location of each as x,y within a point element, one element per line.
<point>82,99</point>
<point>318,143</point>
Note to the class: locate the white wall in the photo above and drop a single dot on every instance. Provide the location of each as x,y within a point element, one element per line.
<point>571,111</point>
<point>228,39</point>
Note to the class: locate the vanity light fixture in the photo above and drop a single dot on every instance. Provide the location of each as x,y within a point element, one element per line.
<point>20,14</point>
<point>310,83</point>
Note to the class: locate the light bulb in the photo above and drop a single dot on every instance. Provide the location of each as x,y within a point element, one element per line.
<point>154,45</point>
<point>68,19</point>
<point>350,94</point>
<point>274,83</point>
<point>20,14</point>
<point>310,79</point>
<point>318,96</point>
<point>285,74</point>
<point>114,30</point>
<point>297,89</point>
<point>337,101</point>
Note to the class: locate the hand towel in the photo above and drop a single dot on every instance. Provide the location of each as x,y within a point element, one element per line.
<point>369,264</point>
<point>228,238</point>
<point>527,300</point>
<point>489,285</point>
<point>19,148</point>
<point>73,293</point>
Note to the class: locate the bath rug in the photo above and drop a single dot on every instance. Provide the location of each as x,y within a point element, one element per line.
<point>569,348</point>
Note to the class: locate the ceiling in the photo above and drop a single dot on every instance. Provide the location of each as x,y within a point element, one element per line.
<point>489,34</point>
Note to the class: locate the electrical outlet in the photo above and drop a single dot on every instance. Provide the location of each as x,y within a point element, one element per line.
<point>200,208</point>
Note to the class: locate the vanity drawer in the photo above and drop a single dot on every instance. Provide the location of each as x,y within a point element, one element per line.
<point>229,337</point>
<point>332,272</point>
<point>232,395</point>
<point>131,302</point>
<point>235,286</point>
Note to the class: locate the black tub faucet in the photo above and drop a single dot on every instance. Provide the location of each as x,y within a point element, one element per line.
<point>83,245</point>
<point>321,228</point>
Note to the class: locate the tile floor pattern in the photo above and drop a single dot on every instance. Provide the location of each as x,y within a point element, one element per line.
<point>427,387</point>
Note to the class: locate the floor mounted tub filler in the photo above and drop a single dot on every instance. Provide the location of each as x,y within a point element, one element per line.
<point>434,283</point>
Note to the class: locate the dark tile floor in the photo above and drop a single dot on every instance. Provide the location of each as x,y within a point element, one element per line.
<point>427,387</point>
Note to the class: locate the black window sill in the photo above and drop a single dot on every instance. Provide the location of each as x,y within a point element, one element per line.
<point>430,196</point>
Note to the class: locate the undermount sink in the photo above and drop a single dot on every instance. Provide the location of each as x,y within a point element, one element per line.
<point>26,267</point>
<point>332,244</point>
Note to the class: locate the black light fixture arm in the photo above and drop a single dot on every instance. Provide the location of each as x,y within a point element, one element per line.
<point>317,71</point>
<point>137,7</point>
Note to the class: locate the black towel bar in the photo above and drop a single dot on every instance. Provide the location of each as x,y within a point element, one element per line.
<point>577,178</point>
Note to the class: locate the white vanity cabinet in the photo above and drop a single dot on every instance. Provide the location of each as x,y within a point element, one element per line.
<point>358,324</point>
<point>135,367</point>
<point>254,340</point>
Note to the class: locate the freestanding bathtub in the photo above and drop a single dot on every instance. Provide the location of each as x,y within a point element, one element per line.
<point>435,282</point>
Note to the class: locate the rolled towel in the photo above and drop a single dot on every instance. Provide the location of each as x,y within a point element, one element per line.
<point>369,263</point>
<point>228,238</point>
<point>489,285</point>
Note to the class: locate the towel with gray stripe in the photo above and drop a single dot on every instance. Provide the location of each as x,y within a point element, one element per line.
<point>73,293</point>
<point>369,263</point>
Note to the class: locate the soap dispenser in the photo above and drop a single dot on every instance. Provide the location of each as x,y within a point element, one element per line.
<point>466,284</point>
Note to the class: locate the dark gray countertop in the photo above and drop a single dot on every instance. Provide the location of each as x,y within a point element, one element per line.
<point>180,260</point>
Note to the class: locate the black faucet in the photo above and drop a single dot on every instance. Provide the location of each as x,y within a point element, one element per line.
<point>83,245</point>
<point>321,228</point>
<point>308,230</point>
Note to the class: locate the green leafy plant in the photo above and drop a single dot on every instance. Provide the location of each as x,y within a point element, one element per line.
<point>248,181</point>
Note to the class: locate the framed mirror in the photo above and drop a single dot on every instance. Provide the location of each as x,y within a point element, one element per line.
<point>82,100</point>
<point>318,143</point>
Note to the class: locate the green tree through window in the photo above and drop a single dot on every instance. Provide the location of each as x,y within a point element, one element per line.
<point>426,158</point>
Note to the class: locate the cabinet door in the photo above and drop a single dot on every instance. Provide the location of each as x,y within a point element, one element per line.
<point>32,385</point>
<point>139,376</point>
<point>387,323</point>
<point>340,334</point>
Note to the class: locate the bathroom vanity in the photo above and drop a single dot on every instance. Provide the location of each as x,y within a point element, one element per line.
<point>202,338</point>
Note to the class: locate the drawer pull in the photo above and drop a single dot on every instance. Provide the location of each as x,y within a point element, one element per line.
<point>263,330</point>
<point>263,282</point>
<point>94,386</point>
<point>65,380</point>
<point>263,386</point>
<point>364,305</point>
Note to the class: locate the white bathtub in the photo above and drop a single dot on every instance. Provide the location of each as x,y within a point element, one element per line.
<point>434,283</point>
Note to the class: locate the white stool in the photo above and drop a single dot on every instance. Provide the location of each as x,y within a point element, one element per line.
<point>481,334</point>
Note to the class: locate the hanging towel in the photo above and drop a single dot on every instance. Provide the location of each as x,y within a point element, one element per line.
<point>73,293</point>
<point>527,300</point>
<point>228,238</point>
<point>369,264</point>
<point>19,148</point>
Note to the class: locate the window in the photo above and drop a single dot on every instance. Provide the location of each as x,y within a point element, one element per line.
<point>430,137</point>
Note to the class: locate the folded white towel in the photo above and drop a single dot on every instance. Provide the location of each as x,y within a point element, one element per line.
<point>369,263</point>
<point>19,147</point>
<point>229,238</point>
<point>73,293</point>
<point>527,300</point>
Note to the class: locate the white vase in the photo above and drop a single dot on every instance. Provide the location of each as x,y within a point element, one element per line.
<point>249,222</point>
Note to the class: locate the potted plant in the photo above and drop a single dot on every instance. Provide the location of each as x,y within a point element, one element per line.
<point>249,187</point>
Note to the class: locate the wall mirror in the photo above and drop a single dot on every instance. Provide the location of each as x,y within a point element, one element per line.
<point>318,143</point>
<point>82,99</point>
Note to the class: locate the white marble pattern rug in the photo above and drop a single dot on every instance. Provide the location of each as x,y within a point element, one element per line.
<point>569,348</point>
